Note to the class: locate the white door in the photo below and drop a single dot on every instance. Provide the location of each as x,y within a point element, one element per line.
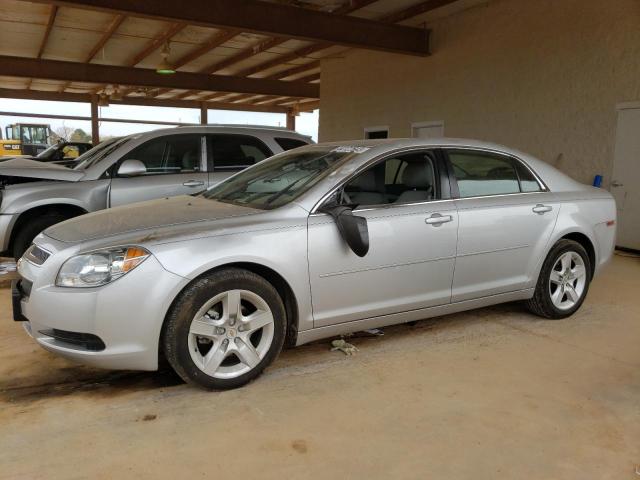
<point>427,130</point>
<point>625,181</point>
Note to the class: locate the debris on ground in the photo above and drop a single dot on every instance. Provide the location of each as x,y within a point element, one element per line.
<point>376,332</point>
<point>344,347</point>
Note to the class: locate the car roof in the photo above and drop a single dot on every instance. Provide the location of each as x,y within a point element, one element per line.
<point>218,128</point>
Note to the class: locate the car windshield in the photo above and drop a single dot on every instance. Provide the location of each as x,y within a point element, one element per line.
<point>97,153</point>
<point>280,179</point>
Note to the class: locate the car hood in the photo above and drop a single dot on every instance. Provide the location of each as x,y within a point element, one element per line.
<point>24,167</point>
<point>145,217</point>
<point>4,158</point>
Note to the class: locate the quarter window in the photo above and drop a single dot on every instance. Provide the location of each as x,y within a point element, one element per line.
<point>170,154</point>
<point>233,152</point>
<point>480,174</point>
<point>290,143</point>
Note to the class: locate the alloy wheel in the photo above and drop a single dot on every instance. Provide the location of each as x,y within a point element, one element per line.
<point>568,280</point>
<point>231,334</point>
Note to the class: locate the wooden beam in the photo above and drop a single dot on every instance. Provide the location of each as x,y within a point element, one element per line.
<point>397,16</point>
<point>249,52</point>
<point>415,10</point>
<point>214,41</point>
<point>88,119</point>
<point>253,50</point>
<point>139,77</point>
<point>156,43</point>
<point>272,19</point>
<point>352,6</point>
<point>145,102</point>
<point>47,32</point>
<point>291,120</point>
<point>95,125</point>
<point>204,114</point>
<point>113,26</point>
<point>290,72</point>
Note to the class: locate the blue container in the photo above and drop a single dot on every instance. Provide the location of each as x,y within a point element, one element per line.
<point>597,181</point>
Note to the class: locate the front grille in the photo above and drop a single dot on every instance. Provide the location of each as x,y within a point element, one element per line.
<point>37,255</point>
<point>85,340</point>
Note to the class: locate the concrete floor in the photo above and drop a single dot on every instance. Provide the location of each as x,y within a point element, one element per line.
<point>494,393</point>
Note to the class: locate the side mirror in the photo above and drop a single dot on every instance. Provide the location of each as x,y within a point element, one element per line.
<point>353,229</point>
<point>131,168</point>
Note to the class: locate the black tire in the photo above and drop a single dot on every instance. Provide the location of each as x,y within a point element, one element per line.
<point>30,230</point>
<point>541,303</point>
<point>175,335</point>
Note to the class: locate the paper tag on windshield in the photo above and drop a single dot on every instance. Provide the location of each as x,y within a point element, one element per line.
<point>350,149</point>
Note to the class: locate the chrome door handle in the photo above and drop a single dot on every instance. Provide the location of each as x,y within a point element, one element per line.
<point>540,209</point>
<point>615,183</point>
<point>437,219</point>
<point>193,183</point>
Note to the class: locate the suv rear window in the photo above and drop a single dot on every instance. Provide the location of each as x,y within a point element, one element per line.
<point>290,143</point>
<point>234,151</point>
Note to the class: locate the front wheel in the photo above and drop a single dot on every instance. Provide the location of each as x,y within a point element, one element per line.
<point>224,329</point>
<point>563,282</point>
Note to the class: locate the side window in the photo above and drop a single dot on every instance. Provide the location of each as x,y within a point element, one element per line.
<point>479,174</point>
<point>403,179</point>
<point>234,152</point>
<point>290,143</point>
<point>170,154</point>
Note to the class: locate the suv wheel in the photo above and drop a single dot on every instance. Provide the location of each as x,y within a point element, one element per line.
<point>563,282</point>
<point>224,329</point>
<point>24,237</point>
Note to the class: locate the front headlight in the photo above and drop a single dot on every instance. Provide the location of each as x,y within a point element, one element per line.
<point>99,268</point>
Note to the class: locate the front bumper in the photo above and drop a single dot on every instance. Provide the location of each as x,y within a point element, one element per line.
<point>126,315</point>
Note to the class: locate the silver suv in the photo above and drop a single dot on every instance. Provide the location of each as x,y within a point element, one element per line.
<point>146,166</point>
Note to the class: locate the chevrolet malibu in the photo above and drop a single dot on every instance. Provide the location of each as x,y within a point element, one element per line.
<point>313,243</point>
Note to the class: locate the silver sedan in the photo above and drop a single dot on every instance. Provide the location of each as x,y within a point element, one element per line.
<point>313,243</point>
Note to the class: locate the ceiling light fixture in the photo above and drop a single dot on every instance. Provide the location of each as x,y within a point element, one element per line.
<point>103,100</point>
<point>164,67</point>
<point>116,95</point>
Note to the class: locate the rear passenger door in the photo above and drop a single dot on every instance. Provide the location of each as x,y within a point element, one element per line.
<point>506,217</point>
<point>174,166</point>
<point>230,153</point>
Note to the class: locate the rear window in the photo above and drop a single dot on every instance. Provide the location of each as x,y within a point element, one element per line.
<point>482,173</point>
<point>290,143</point>
<point>234,151</point>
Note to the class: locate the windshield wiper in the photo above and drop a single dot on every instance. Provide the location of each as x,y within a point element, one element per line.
<point>288,188</point>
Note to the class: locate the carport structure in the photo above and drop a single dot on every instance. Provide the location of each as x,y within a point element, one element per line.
<point>227,54</point>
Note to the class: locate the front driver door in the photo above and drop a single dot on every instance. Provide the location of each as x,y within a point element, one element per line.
<point>412,233</point>
<point>174,166</point>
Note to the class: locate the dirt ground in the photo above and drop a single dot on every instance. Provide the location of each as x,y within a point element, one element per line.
<point>494,393</point>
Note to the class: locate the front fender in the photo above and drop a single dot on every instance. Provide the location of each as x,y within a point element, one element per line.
<point>283,250</point>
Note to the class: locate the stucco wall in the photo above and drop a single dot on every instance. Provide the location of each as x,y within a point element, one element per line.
<point>543,76</point>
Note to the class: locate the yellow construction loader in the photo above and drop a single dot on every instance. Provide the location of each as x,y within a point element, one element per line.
<point>25,139</point>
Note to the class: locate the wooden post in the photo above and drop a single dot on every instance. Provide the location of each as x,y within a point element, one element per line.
<point>95,130</point>
<point>204,114</point>
<point>291,120</point>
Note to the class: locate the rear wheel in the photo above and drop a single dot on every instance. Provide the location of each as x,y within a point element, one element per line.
<point>563,282</point>
<point>29,230</point>
<point>225,329</point>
